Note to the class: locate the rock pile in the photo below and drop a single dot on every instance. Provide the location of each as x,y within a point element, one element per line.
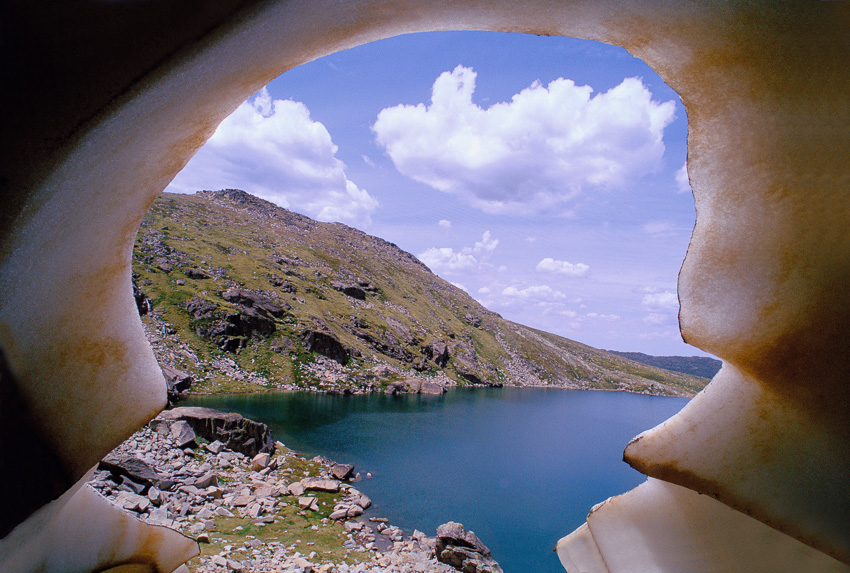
<point>217,495</point>
<point>463,550</point>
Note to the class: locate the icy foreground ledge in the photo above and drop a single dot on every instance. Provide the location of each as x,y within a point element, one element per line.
<point>764,286</point>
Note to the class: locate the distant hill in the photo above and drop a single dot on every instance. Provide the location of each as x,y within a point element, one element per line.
<point>702,366</point>
<point>243,295</point>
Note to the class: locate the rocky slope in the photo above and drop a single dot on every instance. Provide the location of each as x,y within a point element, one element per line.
<point>238,294</point>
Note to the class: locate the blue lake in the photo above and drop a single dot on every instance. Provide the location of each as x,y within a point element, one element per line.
<point>519,466</point>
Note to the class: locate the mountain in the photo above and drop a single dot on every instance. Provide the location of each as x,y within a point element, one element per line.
<point>241,295</point>
<point>701,366</point>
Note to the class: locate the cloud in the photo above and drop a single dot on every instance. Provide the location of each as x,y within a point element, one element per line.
<point>551,265</point>
<point>445,224</point>
<point>531,154</point>
<point>486,244</point>
<point>660,229</point>
<point>682,183</point>
<point>536,292</point>
<point>597,316</point>
<point>271,148</point>
<point>446,259</point>
<point>661,301</point>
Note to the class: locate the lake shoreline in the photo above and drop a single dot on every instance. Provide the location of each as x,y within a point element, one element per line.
<point>482,457</point>
<point>274,511</point>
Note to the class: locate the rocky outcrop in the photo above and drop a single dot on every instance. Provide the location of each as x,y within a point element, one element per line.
<point>354,291</point>
<point>251,299</point>
<point>196,274</point>
<point>176,382</point>
<point>255,315</point>
<point>438,352</point>
<point>326,344</point>
<point>234,431</point>
<point>463,550</point>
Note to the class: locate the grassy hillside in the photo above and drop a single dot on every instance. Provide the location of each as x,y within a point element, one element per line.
<point>244,296</point>
<point>702,366</point>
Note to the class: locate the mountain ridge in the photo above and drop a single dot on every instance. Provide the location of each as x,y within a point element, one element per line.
<point>246,296</point>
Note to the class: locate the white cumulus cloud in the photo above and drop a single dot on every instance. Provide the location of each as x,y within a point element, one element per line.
<point>536,292</point>
<point>446,259</point>
<point>533,153</point>
<point>551,265</point>
<point>440,259</point>
<point>445,224</point>
<point>272,149</point>
<point>682,183</point>
<point>661,301</point>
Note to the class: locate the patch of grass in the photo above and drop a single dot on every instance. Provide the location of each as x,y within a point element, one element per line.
<point>291,529</point>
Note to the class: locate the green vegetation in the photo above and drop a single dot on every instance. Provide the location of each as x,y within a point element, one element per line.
<point>384,307</point>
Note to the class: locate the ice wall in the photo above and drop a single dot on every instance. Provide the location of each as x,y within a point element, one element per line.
<point>109,100</point>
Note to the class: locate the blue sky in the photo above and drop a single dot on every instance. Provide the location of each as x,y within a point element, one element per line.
<point>542,175</point>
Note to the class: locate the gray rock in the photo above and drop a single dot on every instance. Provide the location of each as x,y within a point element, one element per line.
<point>327,345</point>
<point>321,484</point>
<point>260,461</point>
<point>429,387</point>
<point>342,471</point>
<point>176,381</point>
<point>354,291</point>
<point>296,489</point>
<point>310,503</point>
<point>206,480</point>
<point>183,434</point>
<point>133,468</point>
<point>438,351</point>
<point>196,274</point>
<point>237,433</point>
<point>215,447</point>
<point>463,550</point>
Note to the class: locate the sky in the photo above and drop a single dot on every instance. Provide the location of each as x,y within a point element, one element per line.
<point>545,176</point>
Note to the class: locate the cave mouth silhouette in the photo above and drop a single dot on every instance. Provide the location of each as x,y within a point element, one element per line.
<point>104,125</point>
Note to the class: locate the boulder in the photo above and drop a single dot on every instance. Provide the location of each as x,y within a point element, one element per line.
<point>252,299</point>
<point>206,480</point>
<point>430,387</point>
<point>236,432</point>
<point>133,468</point>
<point>260,461</point>
<point>214,447</point>
<point>463,550</point>
<point>296,489</point>
<point>176,382</point>
<point>200,309</point>
<point>321,484</point>
<point>354,291</point>
<point>438,352</point>
<point>327,345</point>
<point>196,274</point>
<point>342,471</point>
<point>183,434</point>
<point>310,503</point>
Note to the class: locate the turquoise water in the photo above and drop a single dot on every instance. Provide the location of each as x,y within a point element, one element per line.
<point>519,466</point>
